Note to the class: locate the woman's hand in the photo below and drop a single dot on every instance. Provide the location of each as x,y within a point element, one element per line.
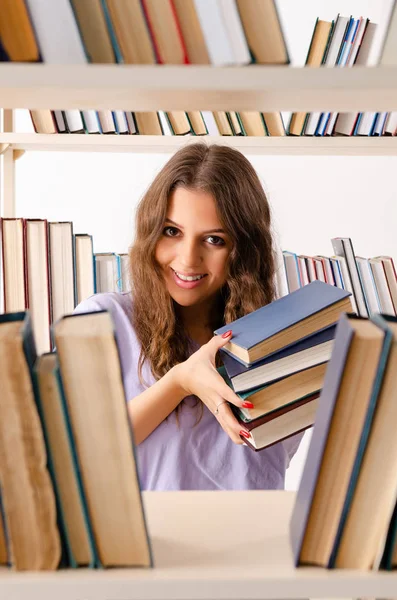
<point>198,375</point>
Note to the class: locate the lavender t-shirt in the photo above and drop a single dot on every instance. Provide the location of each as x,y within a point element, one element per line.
<point>188,456</point>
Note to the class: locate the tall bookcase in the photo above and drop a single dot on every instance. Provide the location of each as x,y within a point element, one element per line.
<point>205,545</point>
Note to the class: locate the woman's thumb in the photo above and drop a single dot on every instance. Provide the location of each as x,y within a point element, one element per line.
<point>221,340</point>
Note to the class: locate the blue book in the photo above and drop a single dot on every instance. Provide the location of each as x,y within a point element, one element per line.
<point>346,407</point>
<point>309,352</point>
<point>285,321</point>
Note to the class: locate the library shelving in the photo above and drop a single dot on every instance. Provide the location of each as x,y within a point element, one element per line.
<point>206,545</point>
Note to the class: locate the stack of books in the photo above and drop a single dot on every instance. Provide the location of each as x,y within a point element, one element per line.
<point>277,359</point>
<point>70,493</point>
<point>371,281</point>
<point>49,269</point>
<point>345,514</point>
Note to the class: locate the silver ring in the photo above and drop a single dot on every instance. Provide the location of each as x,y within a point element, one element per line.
<point>216,411</point>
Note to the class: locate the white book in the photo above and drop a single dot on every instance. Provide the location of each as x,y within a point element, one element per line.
<point>60,121</point>
<point>379,274</point>
<point>60,238</point>
<point>107,272</point>
<point>164,123</point>
<point>388,266</point>
<point>318,265</point>
<point>107,122</point>
<point>389,50</point>
<point>346,281</point>
<point>91,121</point>
<point>292,271</point>
<point>231,18</point>
<point>121,121</point>
<point>369,285</point>
<point>58,37</point>
<point>391,124</point>
<point>210,122</point>
<point>125,272</point>
<point>131,123</point>
<point>380,123</point>
<point>215,32</point>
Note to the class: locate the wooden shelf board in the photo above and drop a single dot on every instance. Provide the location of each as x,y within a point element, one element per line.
<point>207,545</point>
<point>345,146</point>
<point>160,87</point>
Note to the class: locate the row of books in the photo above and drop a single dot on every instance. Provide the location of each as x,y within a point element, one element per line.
<point>345,512</point>
<point>70,492</point>
<point>343,42</point>
<point>245,123</point>
<point>371,281</point>
<point>49,269</point>
<point>222,32</point>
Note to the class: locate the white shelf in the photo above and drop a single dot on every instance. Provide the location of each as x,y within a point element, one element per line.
<point>207,545</point>
<point>159,87</point>
<point>289,145</point>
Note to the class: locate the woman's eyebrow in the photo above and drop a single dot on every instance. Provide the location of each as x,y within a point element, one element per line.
<point>204,232</point>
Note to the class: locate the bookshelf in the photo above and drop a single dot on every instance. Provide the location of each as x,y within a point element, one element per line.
<point>203,552</point>
<point>163,87</point>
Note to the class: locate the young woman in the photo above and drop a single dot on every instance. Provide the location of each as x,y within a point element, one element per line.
<point>202,257</point>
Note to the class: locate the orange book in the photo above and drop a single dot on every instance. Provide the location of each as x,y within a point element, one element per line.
<point>16,32</point>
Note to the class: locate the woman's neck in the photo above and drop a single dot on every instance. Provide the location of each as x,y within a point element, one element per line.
<point>199,321</point>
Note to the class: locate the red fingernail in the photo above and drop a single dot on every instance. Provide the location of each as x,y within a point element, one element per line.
<point>247,405</point>
<point>245,434</point>
<point>227,333</point>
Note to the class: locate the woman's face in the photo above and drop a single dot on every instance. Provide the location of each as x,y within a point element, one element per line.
<point>193,249</point>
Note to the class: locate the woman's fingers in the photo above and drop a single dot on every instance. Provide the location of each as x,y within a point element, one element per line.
<point>227,393</point>
<point>230,424</point>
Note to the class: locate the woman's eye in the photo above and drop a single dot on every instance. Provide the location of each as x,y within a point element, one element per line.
<point>170,231</point>
<point>215,240</point>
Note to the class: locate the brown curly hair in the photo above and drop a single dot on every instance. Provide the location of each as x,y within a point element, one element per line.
<point>244,212</point>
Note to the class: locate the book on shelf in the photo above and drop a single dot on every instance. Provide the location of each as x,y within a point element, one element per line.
<point>192,33</point>
<point>282,409</point>
<point>20,46</point>
<point>64,462</point>
<point>107,460</point>
<point>344,247</point>
<point>350,403</point>
<point>85,284</point>
<point>95,36</point>
<point>388,54</point>
<point>253,123</point>
<point>13,264</point>
<point>309,352</point>
<point>285,321</point>
<point>62,268</point>
<point>27,494</point>
<point>107,272</point>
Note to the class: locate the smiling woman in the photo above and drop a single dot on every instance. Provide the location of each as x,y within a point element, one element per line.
<point>202,257</point>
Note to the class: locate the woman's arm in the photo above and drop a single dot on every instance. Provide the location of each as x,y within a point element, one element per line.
<point>150,408</point>
<point>197,375</point>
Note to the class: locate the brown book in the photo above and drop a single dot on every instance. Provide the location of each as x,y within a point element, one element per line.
<point>132,32</point>
<point>84,257</point>
<point>56,423</point>
<point>235,123</point>
<point>318,46</point>
<point>94,31</point>
<point>148,123</point>
<point>283,408</point>
<point>191,31</point>
<point>374,497</point>
<point>107,461</point>
<point>38,281</point>
<point>348,419</point>
<point>179,122</point>
<point>43,121</point>
<point>253,123</point>
<point>165,32</point>
<point>263,31</point>
<point>13,255</point>
<point>274,124</point>
<point>27,493</point>
<point>16,32</point>
<point>197,122</point>
<point>223,123</point>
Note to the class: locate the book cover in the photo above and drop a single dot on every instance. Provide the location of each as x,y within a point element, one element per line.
<point>282,314</point>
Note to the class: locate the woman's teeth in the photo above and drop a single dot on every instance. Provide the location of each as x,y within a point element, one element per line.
<point>185,278</point>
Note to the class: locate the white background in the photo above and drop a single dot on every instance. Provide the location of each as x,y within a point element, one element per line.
<point>312,198</point>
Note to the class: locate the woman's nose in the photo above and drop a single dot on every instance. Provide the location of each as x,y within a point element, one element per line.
<point>190,253</point>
